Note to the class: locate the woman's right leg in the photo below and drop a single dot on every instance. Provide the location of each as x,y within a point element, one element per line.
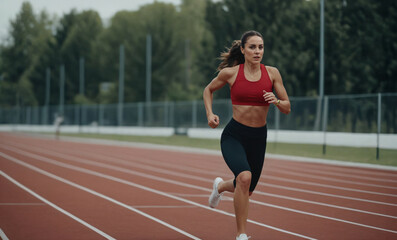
<point>226,186</point>
<point>241,200</point>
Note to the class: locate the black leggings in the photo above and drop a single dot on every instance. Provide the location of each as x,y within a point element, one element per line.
<point>243,149</point>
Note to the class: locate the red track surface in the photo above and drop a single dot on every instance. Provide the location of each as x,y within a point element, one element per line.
<point>67,190</point>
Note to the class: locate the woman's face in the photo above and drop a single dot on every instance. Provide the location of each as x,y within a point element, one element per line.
<point>253,49</point>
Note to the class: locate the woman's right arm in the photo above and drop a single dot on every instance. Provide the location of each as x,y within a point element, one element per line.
<point>218,82</point>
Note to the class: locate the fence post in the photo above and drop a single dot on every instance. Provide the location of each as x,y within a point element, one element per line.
<point>194,114</point>
<point>61,89</point>
<point>379,124</point>
<point>121,87</point>
<point>325,122</point>
<point>101,115</point>
<point>28,111</point>
<point>47,95</point>
<point>172,113</point>
<point>77,121</point>
<point>140,114</point>
<point>166,114</point>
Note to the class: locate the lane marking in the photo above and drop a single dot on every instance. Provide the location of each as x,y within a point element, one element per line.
<point>335,180</point>
<point>326,217</point>
<point>326,205</point>
<point>165,206</point>
<point>380,178</point>
<point>328,186</point>
<point>44,159</point>
<point>3,235</point>
<point>326,194</point>
<point>48,174</point>
<point>22,204</point>
<point>335,169</point>
<point>55,206</point>
<point>329,162</point>
<point>189,195</point>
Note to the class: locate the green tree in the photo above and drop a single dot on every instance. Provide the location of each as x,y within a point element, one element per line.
<point>82,30</point>
<point>28,39</point>
<point>131,29</point>
<point>193,34</point>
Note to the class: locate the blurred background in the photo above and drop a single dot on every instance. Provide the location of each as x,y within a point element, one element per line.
<point>147,63</point>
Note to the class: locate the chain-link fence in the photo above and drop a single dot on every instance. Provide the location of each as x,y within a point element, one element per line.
<point>337,113</point>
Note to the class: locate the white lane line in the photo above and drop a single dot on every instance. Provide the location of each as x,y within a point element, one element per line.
<point>56,207</point>
<point>336,168</point>
<point>44,159</point>
<point>324,204</point>
<point>325,194</point>
<point>165,206</point>
<point>189,195</point>
<point>332,179</point>
<point>310,170</point>
<point>326,217</point>
<point>48,174</point>
<point>328,162</point>
<point>3,235</point>
<point>22,204</point>
<point>326,186</point>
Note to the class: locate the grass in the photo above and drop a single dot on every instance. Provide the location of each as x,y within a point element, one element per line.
<point>350,154</point>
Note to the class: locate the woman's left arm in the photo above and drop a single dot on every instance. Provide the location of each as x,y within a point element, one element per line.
<point>281,101</point>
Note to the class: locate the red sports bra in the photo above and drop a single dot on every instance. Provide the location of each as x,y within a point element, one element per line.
<point>244,92</point>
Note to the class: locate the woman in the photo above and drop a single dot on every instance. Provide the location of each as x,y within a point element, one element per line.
<point>243,140</point>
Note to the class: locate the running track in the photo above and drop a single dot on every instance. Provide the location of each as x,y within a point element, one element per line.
<point>53,189</point>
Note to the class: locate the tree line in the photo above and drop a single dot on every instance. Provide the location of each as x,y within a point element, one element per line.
<point>360,49</point>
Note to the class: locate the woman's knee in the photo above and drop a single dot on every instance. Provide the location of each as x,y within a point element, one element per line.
<point>244,179</point>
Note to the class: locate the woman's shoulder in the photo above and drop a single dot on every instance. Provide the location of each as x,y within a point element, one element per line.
<point>228,72</point>
<point>271,69</point>
<point>273,72</point>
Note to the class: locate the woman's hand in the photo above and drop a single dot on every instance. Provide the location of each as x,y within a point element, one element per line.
<point>269,97</point>
<point>213,120</point>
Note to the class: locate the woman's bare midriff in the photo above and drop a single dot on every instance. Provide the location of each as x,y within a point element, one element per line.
<point>252,116</point>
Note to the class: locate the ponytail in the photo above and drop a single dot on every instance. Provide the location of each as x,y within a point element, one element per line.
<point>232,57</point>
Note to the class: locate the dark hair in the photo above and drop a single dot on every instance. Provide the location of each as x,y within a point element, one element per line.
<point>233,56</point>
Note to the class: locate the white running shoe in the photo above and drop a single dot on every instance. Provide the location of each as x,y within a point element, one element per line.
<point>215,196</point>
<point>242,236</point>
